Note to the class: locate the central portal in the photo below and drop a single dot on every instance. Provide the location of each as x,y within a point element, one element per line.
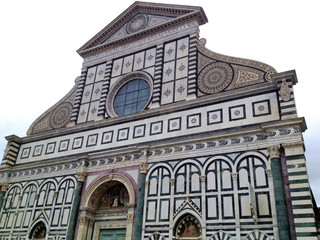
<point>112,234</point>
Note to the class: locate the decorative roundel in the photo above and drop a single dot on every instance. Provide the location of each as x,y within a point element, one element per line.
<point>61,115</point>
<point>215,77</point>
<point>137,23</point>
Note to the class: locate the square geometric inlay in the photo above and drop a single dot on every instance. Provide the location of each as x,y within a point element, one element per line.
<point>64,144</point>
<point>25,152</point>
<point>194,120</point>
<point>92,140</point>
<point>123,134</point>
<point>139,131</point>
<point>156,128</point>
<point>77,142</point>
<point>50,147</point>
<point>37,150</point>
<point>261,108</point>
<point>107,137</point>
<point>237,112</point>
<point>214,116</point>
<point>174,124</point>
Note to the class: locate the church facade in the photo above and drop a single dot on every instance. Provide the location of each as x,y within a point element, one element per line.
<point>161,138</point>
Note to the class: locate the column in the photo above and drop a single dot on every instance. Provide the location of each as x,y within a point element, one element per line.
<point>204,206</point>
<point>75,206</point>
<point>280,200</point>
<point>4,188</point>
<point>172,185</point>
<point>236,203</point>
<point>139,211</point>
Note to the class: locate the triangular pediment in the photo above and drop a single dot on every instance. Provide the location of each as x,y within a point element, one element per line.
<point>141,19</point>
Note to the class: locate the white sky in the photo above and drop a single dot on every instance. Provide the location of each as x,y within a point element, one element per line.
<point>39,63</point>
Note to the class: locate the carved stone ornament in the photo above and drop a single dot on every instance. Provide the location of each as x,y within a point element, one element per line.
<point>91,223</point>
<point>234,176</point>
<point>215,77</point>
<point>130,217</point>
<point>81,176</point>
<point>285,92</point>
<point>172,181</point>
<point>274,151</point>
<point>4,186</point>
<point>203,178</point>
<point>202,42</point>
<point>143,167</point>
<point>269,173</point>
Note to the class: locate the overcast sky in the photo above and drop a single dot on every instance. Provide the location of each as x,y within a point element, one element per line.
<point>39,62</point>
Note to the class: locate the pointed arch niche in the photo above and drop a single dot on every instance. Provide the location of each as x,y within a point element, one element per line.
<point>38,231</point>
<point>187,227</point>
<point>108,204</point>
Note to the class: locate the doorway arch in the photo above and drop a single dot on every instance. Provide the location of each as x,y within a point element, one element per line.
<point>109,204</point>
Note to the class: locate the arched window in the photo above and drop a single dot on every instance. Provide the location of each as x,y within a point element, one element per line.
<point>46,194</point>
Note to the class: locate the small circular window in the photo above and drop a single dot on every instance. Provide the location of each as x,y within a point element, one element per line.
<point>129,94</point>
<point>132,97</point>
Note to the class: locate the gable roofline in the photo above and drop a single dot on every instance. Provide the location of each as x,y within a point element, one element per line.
<point>181,12</point>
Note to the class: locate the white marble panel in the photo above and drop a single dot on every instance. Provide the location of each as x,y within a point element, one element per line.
<point>27,219</point>
<point>91,75</point>
<point>3,217</point>
<point>195,182</point>
<point>170,51</point>
<point>96,93</point>
<point>153,186</point>
<point>165,185</point>
<point>212,211</point>
<point>168,71</point>
<point>19,219</point>
<point>167,93</point>
<point>150,57</point>
<point>83,113</point>
<point>263,205</point>
<point>181,90</point>
<point>116,68</point>
<point>227,206</point>
<point>90,179</point>
<point>100,72</point>
<point>211,181</point>
<point>127,64</point>
<point>261,177</point>
<point>87,92</point>
<point>56,216</point>
<point>138,61</point>
<point>226,179</point>
<point>93,111</point>
<point>183,47</point>
<point>180,185</point>
<point>245,205</point>
<point>164,210</point>
<point>151,210</point>
<point>149,70</point>
<point>182,68</point>
<point>65,216</point>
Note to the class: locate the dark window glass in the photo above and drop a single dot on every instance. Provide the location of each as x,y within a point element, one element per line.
<point>132,97</point>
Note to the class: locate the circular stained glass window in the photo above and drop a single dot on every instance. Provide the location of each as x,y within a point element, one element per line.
<point>132,97</point>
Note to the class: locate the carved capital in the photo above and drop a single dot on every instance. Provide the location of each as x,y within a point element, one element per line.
<point>172,181</point>
<point>274,151</point>
<point>81,176</point>
<point>84,220</point>
<point>203,178</point>
<point>234,176</point>
<point>143,167</point>
<point>4,186</point>
<point>91,223</point>
<point>269,173</point>
<point>130,217</point>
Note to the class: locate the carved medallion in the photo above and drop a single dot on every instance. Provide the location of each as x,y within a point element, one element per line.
<point>285,92</point>
<point>61,115</point>
<point>215,77</point>
<point>137,23</point>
